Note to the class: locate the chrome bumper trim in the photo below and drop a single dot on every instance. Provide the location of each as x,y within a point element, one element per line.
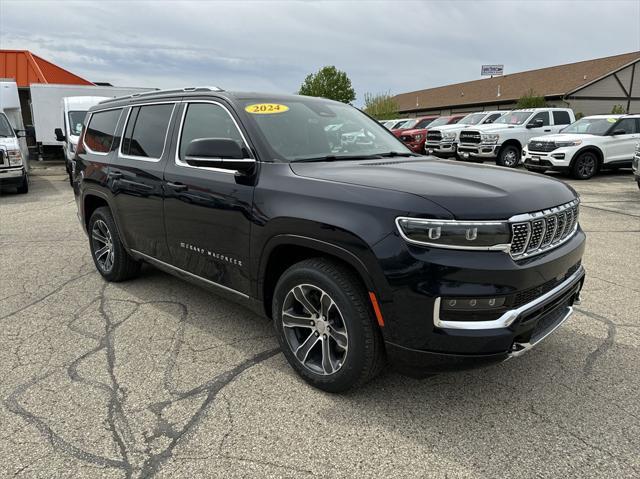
<point>510,316</point>
<point>521,348</point>
<point>11,172</point>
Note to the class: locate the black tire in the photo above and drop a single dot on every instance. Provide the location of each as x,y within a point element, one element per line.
<point>24,187</point>
<point>585,166</point>
<point>509,156</point>
<point>121,266</point>
<point>638,183</point>
<point>364,355</point>
<point>535,170</point>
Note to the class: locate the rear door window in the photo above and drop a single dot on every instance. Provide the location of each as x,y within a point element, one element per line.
<point>561,118</point>
<point>101,131</point>
<point>146,131</point>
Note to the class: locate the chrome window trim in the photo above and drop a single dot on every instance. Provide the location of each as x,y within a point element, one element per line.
<point>508,317</point>
<point>166,134</point>
<point>195,276</point>
<point>181,163</point>
<point>99,153</point>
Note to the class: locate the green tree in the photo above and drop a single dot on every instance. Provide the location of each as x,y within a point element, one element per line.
<point>618,110</point>
<point>531,100</point>
<point>381,106</point>
<point>330,83</point>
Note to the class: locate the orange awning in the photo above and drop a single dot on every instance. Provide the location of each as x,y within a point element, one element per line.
<point>26,68</point>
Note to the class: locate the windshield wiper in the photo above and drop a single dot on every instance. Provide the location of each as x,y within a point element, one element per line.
<point>336,158</point>
<point>391,154</point>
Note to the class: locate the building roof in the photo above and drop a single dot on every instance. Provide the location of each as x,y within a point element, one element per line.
<point>27,68</point>
<point>552,81</point>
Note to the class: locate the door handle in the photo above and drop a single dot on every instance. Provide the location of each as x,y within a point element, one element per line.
<point>548,130</point>
<point>116,175</point>
<point>177,186</point>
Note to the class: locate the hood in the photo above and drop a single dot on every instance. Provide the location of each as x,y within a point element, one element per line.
<point>9,143</point>
<point>421,131</point>
<point>492,128</point>
<point>454,127</point>
<point>468,191</point>
<point>564,137</point>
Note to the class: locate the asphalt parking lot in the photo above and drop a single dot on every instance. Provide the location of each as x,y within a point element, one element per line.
<point>158,378</point>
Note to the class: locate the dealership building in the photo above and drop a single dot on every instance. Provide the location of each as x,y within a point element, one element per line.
<point>588,87</point>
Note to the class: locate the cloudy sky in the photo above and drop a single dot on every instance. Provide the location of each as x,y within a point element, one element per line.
<point>266,45</point>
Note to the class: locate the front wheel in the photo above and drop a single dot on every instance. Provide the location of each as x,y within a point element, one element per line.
<point>111,259</point>
<point>585,166</point>
<point>509,156</point>
<point>24,187</point>
<point>325,326</point>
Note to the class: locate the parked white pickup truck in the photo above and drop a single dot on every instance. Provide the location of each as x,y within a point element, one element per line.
<point>504,139</point>
<point>588,145</point>
<point>443,140</point>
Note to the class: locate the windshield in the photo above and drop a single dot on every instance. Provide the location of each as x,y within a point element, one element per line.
<point>407,124</point>
<point>301,128</point>
<point>443,120</point>
<point>424,123</point>
<point>591,126</point>
<point>76,120</point>
<point>472,119</point>
<point>5,127</point>
<point>513,118</point>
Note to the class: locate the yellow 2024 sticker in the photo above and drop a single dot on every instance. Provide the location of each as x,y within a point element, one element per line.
<point>612,120</point>
<point>266,108</point>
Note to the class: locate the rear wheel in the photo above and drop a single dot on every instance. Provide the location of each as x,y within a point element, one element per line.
<point>325,326</point>
<point>585,166</point>
<point>509,156</point>
<point>111,259</point>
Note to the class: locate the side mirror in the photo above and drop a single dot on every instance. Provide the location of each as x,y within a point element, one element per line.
<point>486,122</point>
<point>536,123</point>
<point>617,132</point>
<point>223,153</point>
<point>59,135</point>
<point>21,133</point>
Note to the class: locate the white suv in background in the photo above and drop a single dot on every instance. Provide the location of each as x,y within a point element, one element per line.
<point>503,140</point>
<point>443,141</point>
<point>586,146</point>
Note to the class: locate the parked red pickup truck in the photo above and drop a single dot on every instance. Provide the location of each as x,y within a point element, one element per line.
<point>414,138</point>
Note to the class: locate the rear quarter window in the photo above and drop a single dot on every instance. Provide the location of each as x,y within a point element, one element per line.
<point>101,130</point>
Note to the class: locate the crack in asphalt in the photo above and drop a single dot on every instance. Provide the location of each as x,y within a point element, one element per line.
<point>129,452</point>
<point>607,344</point>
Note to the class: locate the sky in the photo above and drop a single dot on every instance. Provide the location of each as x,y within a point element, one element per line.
<point>270,46</point>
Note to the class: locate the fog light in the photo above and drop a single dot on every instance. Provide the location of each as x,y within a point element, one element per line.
<point>559,156</point>
<point>471,304</point>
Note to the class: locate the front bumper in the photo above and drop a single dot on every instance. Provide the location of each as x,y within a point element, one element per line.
<point>416,146</point>
<point>477,150</point>
<point>444,149</point>
<point>558,159</point>
<point>13,176</point>
<point>541,291</point>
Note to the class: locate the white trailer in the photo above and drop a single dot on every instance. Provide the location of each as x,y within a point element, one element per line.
<point>47,104</point>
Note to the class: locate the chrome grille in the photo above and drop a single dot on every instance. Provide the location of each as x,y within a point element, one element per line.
<point>541,231</point>
<point>543,146</point>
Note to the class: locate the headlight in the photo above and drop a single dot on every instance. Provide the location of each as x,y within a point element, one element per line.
<point>484,235</point>
<point>449,136</point>
<point>15,157</point>
<point>417,137</point>
<point>564,144</point>
<point>489,138</point>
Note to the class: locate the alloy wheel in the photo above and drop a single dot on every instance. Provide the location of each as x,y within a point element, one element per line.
<point>510,158</point>
<point>586,166</point>
<point>103,250</point>
<point>315,329</point>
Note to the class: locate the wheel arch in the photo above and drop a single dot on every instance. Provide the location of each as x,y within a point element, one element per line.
<point>511,142</point>
<point>284,250</point>
<point>589,148</point>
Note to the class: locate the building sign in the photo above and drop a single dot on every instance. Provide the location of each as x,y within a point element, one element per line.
<point>492,70</point>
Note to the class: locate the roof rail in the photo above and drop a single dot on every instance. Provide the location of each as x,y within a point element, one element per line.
<point>164,92</point>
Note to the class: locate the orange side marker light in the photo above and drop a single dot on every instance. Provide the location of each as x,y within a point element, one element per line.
<point>376,308</point>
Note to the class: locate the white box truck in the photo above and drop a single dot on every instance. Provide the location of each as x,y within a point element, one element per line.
<point>10,106</point>
<point>47,114</point>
